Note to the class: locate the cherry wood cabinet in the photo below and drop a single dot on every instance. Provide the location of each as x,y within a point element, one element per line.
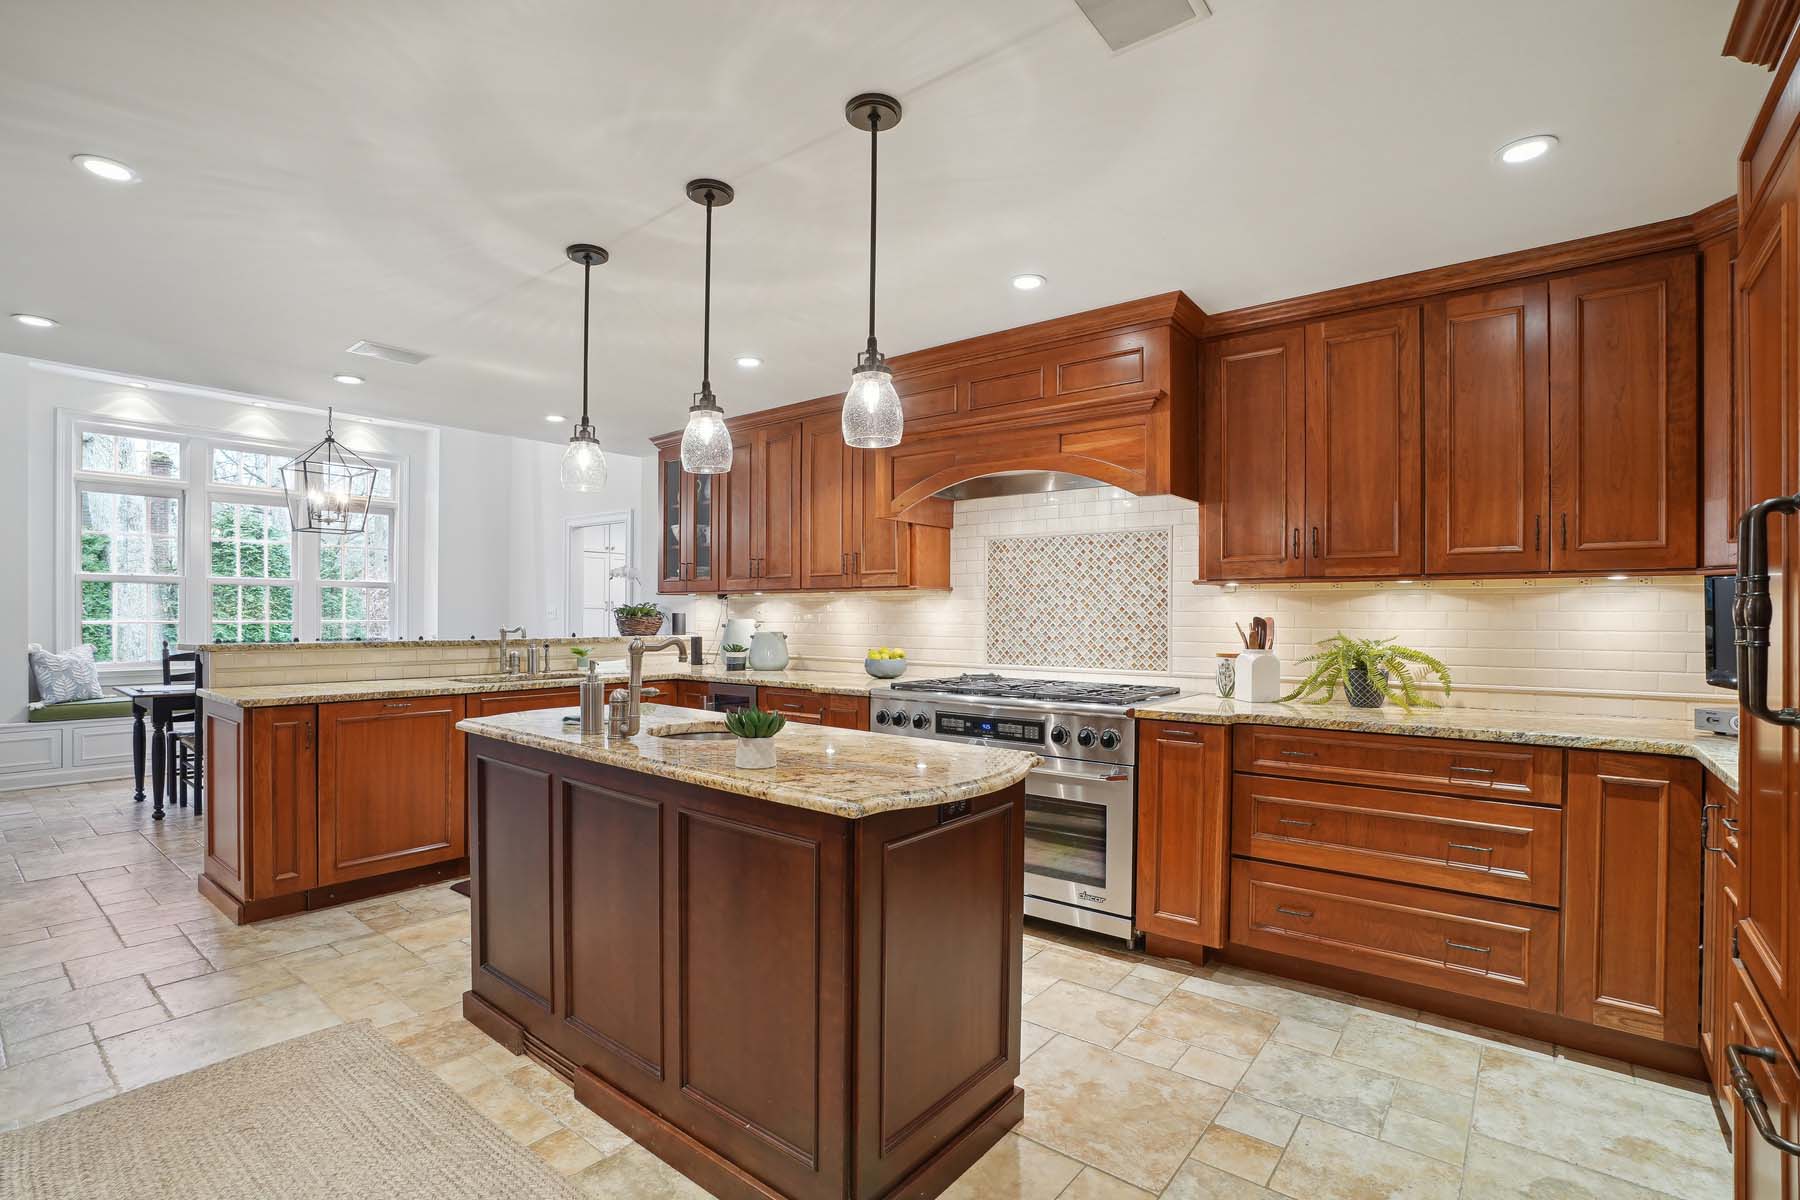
<point>759,532</point>
<point>489,704</point>
<point>688,527</point>
<point>1253,422</point>
<point>390,786</point>
<point>261,802</point>
<point>1183,850</point>
<point>1761,1171</point>
<point>1362,444</point>
<point>1721,901</point>
<point>816,708</point>
<point>1487,431</point>
<point>1721,415</point>
<point>846,541</point>
<point>683,693</point>
<point>1624,416</point>
<point>1631,923</point>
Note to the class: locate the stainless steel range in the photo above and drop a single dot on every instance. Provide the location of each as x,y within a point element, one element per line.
<point>1080,803</point>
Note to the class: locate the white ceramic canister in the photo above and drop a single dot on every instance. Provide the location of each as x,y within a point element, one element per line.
<point>1258,676</point>
<point>1225,674</point>
<point>768,651</point>
<point>755,754</point>
<point>738,631</point>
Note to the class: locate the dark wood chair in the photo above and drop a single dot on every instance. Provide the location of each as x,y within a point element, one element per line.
<point>187,763</point>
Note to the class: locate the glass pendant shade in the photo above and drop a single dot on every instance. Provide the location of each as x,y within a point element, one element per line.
<point>872,415</point>
<point>706,443</point>
<point>584,463</point>
<point>328,488</point>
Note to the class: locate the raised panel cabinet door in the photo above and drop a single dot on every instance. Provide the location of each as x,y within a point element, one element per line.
<point>778,507</point>
<point>1254,445</point>
<point>1631,927</point>
<point>390,786</point>
<point>284,801</point>
<point>671,552</point>
<point>881,551</point>
<point>827,505</point>
<point>740,515</point>
<point>1487,431</point>
<point>1624,406</point>
<point>1721,418</point>
<point>1363,458</point>
<point>1720,904</point>
<point>1184,810</point>
<point>1768,377</point>
<point>1761,1171</point>
<point>847,712</point>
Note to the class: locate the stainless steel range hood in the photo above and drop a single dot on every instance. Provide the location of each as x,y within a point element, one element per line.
<point>1017,483</point>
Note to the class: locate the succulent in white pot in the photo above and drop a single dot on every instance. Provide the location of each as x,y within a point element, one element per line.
<point>736,655</point>
<point>755,730</point>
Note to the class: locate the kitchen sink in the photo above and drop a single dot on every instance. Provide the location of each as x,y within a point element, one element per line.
<point>519,677</point>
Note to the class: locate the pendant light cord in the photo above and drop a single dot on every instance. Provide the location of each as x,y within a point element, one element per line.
<point>706,318</point>
<point>587,271</point>
<point>874,130</point>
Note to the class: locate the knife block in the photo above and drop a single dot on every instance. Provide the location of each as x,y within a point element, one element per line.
<point>1258,676</point>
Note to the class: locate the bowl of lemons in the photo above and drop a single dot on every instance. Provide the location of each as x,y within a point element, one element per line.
<point>885,662</point>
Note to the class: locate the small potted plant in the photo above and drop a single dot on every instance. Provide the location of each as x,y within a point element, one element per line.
<point>755,730</point>
<point>885,662</point>
<point>580,654</point>
<point>638,620</point>
<point>737,656</point>
<point>1371,670</point>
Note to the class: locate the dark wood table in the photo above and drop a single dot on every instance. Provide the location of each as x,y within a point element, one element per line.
<point>163,704</point>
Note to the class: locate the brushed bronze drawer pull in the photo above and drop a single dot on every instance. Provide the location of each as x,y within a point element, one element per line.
<point>397,704</point>
<point>1471,846</point>
<point>1754,1104</point>
<point>1299,754</point>
<point>1472,770</point>
<point>1295,821</point>
<point>1304,914</point>
<point>1464,946</point>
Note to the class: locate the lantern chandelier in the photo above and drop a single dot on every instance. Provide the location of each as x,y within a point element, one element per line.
<point>328,487</point>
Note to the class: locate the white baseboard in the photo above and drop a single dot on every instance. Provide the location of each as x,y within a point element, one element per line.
<point>57,753</point>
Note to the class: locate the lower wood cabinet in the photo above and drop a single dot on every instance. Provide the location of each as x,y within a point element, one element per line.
<point>684,693</point>
<point>1761,1171</point>
<point>390,786</point>
<point>816,708</point>
<point>1722,901</point>
<point>1631,921</point>
<point>261,800</point>
<point>491,704</point>
<point>1183,847</point>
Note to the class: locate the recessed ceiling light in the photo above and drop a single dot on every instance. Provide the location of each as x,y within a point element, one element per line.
<point>259,404</point>
<point>555,418</point>
<point>748,360</point>
<point>1527,148</point>
<point>108,169</point>
<point>351,379</point>
<point>33,320</point>
<point>139,384</point>
<point>1028,282</point>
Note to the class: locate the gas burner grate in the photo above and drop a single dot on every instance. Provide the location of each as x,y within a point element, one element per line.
<point>1065,691</point>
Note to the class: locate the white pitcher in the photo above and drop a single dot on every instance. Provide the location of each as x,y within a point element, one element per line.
<point>768,651</point>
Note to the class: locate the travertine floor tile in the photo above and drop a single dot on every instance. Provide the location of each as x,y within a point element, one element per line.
<point>190,1042</point>
<point>1499,1171</point>
<point>636,1174</point>
<point>1324,1162</point>
<point>1016,1169</point>
<point>1242,1155</point>
<point>1410,1052</point>
<point>35,1018</point>
<point>33,1088</point>
<point>132,960</point>
<point>566,1152</point>
<point>1202,1181</point>
<point>1080,1011</point>
<point>1218,1025</point>
<point>1075,966</point>
<point>1315,1085</point>
<point>1098,1185</point>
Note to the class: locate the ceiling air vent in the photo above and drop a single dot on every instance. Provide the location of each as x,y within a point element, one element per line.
<point>393,354</point>
<point>1125,23</point>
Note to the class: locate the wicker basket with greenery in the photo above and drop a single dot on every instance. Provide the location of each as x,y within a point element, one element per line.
<point>638,620</point>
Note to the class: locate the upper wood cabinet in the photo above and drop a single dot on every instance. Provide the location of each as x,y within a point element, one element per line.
<point>759,528</point>
<point>1487,431</point>
<point>845,541</point>
<point>1253,417</point>
<point>687,559</point>
<point>1183,850</point>
<point>1631,924</point>
<point>1721,416</point>
<point>1362,444</point>
<point>390,786</point>
<point>1624,417</point>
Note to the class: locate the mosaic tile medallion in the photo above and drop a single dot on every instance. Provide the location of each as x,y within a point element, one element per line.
<point>1094,601</point>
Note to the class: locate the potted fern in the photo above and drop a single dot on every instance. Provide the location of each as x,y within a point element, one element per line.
<point>1371,671</point>
<point>755,730</point>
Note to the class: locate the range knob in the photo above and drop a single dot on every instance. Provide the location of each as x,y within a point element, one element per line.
<point>1109,739</point>
<point>921,721</point>
<point>1060,735</point>
<point>1087,737</point>
<point>881,717</point>
<point>898,717</point>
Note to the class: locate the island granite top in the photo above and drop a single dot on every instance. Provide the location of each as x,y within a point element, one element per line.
<point>1573,731</point>
<point>843,772</point>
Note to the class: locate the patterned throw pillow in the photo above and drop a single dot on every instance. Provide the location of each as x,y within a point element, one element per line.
<point>70,675</point>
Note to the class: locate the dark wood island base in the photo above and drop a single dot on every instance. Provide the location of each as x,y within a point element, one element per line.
<point>778,1002</point>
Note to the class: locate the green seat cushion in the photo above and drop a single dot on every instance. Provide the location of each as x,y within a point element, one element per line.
<point>80,710</point>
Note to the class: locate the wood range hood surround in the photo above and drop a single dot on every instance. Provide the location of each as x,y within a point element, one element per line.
<point>1110,395</point>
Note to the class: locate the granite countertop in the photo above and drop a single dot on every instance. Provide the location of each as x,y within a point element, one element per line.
<point>262,695</point>
<point>844,772</point>
<point>1575,731</point>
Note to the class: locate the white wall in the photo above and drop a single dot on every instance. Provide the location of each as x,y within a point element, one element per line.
<point>15,598</point>
<point>538,581</point>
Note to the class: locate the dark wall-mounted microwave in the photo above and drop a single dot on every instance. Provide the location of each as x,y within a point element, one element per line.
<point>1721,639</point>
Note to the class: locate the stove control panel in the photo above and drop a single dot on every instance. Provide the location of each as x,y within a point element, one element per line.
<point>1088,736</point>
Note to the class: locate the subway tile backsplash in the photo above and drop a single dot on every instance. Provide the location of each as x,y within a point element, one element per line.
<point>1633,647</point>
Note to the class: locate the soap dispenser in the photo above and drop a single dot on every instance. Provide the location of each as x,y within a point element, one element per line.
<point>593,700</point>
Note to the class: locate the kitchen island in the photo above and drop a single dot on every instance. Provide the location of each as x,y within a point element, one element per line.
<point>798,982</point>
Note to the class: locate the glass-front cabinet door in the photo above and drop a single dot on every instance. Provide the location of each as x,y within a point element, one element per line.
<point>671,559</point>
<point>688,517</point>
<point>702,564</point>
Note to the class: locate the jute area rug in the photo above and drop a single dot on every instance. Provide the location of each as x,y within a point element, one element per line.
<point>338,1113</point>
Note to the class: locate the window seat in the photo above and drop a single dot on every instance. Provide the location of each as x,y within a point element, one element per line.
<point>79,710</point>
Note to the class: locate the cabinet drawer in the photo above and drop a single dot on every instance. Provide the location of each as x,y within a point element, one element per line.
<point>1483,948</point>
<point>492,704</point>
<point>794,704</point>
<point>1483,847</point>
<point>1531,774</point>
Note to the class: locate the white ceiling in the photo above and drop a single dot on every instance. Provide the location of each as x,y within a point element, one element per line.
<point>409,172</point>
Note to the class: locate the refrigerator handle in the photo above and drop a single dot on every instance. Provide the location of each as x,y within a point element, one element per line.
<point>1752,611</point>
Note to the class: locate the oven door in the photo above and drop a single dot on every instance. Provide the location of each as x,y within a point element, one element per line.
<point>1079,838</point>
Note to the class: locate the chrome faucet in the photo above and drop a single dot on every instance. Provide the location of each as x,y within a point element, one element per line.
<point>627,704</point>
<point>506,667</point>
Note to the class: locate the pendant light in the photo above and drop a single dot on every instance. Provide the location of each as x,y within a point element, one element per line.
<point>328,487</point>
<point>584,463</point>
<point>872,416</point>
<point>706,443</point>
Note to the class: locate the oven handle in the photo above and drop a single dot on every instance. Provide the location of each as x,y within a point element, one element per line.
<point>1109,775</point>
